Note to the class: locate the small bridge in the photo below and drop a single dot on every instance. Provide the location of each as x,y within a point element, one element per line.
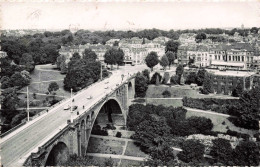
<point>74,137</point>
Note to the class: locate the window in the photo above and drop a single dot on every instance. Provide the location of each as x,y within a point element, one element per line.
<point>229,58</point>
<point>238,58</point>
<point>242,58</point>
<point>215,57</point>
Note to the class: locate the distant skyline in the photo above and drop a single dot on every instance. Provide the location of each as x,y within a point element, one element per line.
<point>129,15</point>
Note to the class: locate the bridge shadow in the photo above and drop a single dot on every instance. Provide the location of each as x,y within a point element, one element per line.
<point>58,155</point>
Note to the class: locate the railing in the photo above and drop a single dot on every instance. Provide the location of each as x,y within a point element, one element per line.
<point>11,130</point>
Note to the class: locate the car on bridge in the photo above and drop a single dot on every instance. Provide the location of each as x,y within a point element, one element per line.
<point>74,108</point>
<point>107,82</point>
<point>89,97</point>
<point>66,107</point>
<point>106,87</point>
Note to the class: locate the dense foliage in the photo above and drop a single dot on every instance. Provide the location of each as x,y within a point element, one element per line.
<point>156,76</point>
<point>164,62</point>
<point>151,60</point>
<point>82,73</point>
<point>141,84</point>
<point>193,151</point>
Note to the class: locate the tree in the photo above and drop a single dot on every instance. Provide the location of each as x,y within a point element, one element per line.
<point>27,61</point>
<point>63,68</point>
<point>193,151</point>
<point>174,80</point>
<point>191,78</point>
<point>18,80</point>
<point>53,86</point>
<point>238,90</point>
<point>179,72</point>
<point>166,77</point>
<point>200,36</point>
<point>75,56</point>
<point>110,57</point>
<point>221,150</point>
<point>201,124</point>
<point>161,155</point>
<point>156,76</point>
<point>140,85</point>
<point>81,73</point>
<point>248,109</point>
<point>146,73</point>
<point>116,43</point>
<point>171,57</point>
<point>247,153</point>
<point>200,76</point>
<point>254,30</point>
<point>164,62</point>
<point>151,60</point>
<point>119,57</point>
<point>150,130</point>
<point>60,59</point>
<point>207,86</point>
<point>172,46</point>
<point>166,94</point>
<point>5,82</point>
<point>89,55</point>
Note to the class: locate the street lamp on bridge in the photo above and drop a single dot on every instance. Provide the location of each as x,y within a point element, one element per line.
<point>71,120</point>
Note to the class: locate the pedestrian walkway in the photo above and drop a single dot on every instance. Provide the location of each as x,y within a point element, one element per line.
<point>206,111</point>
<point>116,156</point>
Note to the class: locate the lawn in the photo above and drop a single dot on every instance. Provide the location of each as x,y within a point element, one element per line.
<point>221,123</point>
<point>176,91</point>
<point>166,102</point>
<point>134,150</point>
<point>105,146</point>
<point>38,75</point>
<point>127,163</point>
<point>101,160</point>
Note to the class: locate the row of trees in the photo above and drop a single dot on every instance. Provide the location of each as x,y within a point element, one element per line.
<point>82,72</point>
<point>171,49</point>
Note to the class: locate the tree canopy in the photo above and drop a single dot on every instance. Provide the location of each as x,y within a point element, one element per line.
<point>151,60</point>
<point>164,62</point>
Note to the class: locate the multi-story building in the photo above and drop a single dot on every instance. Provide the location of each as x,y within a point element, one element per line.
<point>161,40</point>
<point>234,56</point>
<point>199,53</point>
<point>187,38</point>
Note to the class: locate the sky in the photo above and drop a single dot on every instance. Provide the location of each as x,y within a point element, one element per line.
<point>129,15</point>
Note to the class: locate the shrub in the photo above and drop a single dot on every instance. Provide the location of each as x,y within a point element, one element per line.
<point>154,77</point>
<point>174,80</point>
<point>238,135</point>
<point>118,134</point>
<point>166,94</point>
<point>96,130</point>
<point>166,78</point>
<point>109,127</point>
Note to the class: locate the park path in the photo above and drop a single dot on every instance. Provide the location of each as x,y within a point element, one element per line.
<point>116,156</point>
<point>206,112</point>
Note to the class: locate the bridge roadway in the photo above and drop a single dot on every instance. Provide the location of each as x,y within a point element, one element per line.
<point>15,149</point>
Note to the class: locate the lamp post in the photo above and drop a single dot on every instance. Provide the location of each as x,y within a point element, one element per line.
<point>28,116</point>
<point>71,120</point>
<point>101,71</point>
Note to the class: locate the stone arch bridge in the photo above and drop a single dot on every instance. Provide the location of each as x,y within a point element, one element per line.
<point>74,138</point>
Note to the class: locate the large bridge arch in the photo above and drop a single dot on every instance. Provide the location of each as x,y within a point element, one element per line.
<point>58,155</point>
